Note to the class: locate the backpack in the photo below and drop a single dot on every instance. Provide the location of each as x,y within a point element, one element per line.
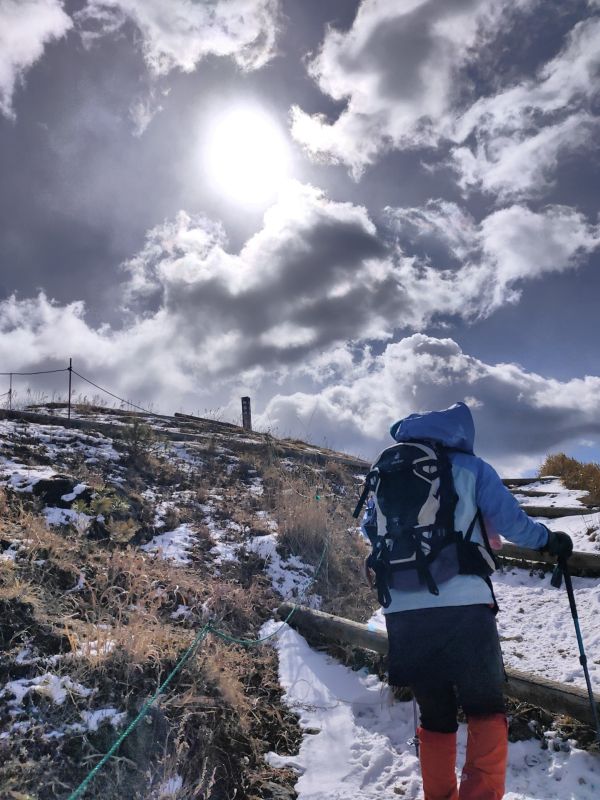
<point>413,495</point>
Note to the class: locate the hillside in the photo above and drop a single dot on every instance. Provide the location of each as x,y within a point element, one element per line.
<point>122,536</point>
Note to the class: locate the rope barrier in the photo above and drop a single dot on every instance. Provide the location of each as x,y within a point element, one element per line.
<point>142,713</point>
<point>116,396</point>
<point>39,372</point>
<point>208,628</point>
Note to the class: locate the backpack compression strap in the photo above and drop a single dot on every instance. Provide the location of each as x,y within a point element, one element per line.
<point>370,484</point>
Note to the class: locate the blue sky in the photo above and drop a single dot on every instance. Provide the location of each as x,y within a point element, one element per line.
<point>348,210</point>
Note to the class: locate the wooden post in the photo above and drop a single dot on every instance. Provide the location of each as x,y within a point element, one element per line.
<point>557,698</point>
<point>246,414</point>
<point>10,394</point>
<point>70,377</point>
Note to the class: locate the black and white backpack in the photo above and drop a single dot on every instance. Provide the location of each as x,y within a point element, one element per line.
<point>413,495</point>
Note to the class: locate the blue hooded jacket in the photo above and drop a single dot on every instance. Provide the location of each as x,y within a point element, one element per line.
<point>478,486</point>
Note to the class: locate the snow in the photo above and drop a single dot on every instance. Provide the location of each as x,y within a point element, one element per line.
<point>10,554</point>
<point>181,612</point>
<point>557,494</point>
<point>21,478</point>
<point>358,745</point>
<point>291,578</point>
<point>173,545</point>
<point>170,787</point>
<point>579,529</point>
<point>66,516</point>
<point>542,639</point>
<point>224,549</point>
<point>160,512</point>
<point>93,719</point>
<point>77,490</point>
<point>55,687</point>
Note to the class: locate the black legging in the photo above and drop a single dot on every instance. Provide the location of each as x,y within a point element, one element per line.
<point>449,657</point>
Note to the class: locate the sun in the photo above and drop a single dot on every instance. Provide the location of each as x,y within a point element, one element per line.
<point>247,156</point>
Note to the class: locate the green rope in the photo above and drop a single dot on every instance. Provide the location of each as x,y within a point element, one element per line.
<point>144,710</point>
<point>149,703</point>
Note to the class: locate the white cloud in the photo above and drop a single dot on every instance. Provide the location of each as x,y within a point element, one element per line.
<point>397,69</point>
<point>178,34</point>
<point>313,276</point>
<point>521,133</point>
<point>519,415</point>
<point>300,296</point>
<point>26,27</point>
<point>509,246</point>
<point>299,301</point>
<point>143,110</point>
<point>400,69</point>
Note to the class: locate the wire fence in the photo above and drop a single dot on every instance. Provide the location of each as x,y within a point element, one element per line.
<point>11,394</point>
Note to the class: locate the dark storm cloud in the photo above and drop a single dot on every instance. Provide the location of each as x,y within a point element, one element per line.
<point>481,156</point>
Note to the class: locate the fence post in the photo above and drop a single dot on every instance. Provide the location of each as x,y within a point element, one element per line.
<point>70,376</point>
<point>10,394</point>
<point>246,414</point>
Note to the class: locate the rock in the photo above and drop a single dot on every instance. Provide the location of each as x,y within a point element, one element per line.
<point>275,791</point>
<point>53,490</point>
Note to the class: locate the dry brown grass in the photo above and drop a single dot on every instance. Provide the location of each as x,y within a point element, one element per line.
<point>307,523</point>
<point>302,520</point>
<point>575,474</point>
<point>112,630</point>
<point>108,607</point>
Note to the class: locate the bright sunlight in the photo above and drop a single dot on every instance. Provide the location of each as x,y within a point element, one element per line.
<point>247,157</point>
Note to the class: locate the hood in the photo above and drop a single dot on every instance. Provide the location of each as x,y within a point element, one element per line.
<point>453,427</point>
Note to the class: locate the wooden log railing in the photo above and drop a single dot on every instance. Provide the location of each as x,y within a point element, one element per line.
<point>580,563</point>
<point>527,481</point>
<point>557,698</point>
<point>554,512</point>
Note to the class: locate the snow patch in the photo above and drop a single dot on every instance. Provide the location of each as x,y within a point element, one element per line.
<point>173,545</point>
<point>93,719</point>
<point>55,687</point>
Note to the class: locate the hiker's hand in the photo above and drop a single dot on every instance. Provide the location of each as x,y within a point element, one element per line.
<point>559,544</point>
<point>369,573</point>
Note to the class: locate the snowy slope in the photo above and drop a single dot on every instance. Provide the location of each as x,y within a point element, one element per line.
<point>356,737</point>
<point>358,741</point>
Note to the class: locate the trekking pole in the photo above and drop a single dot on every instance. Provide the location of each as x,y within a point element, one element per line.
<point>562,570</point>
<point>415,720</point>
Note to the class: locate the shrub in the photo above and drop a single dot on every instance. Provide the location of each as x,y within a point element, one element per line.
<point>574,474</point>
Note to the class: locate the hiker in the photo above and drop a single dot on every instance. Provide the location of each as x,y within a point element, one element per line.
<point>433,509</point>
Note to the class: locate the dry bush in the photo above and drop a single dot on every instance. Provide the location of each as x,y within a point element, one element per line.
<point>306,524</point>
<point>224,667</point>
<point>338,472</point>
<point>574,474</point>
<point>302,520</point>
